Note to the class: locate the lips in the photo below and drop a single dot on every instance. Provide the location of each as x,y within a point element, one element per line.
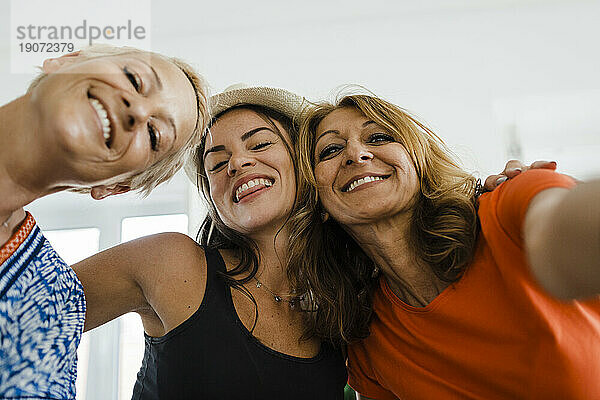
<point>104,118</point>
<point>360,180</point>
<point>249,185</point>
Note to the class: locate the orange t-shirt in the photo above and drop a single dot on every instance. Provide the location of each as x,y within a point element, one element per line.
<point>494,334</point>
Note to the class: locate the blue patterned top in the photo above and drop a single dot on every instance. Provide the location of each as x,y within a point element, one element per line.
<point>42,311</point>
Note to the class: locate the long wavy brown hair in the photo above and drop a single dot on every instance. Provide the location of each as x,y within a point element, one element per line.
<point>213,232</point>
<point>324,259</point>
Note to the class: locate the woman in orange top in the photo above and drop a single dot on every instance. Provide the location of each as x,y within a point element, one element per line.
<point>464,305</point>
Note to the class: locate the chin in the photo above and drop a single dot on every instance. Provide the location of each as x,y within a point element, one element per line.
<point>260,222</point>
<point>363,215</point>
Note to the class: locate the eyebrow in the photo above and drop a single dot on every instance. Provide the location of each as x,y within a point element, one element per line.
<point>327,132</point>
<point>244,137</point>
<point>364,125</point>
<point>160,87</point>
<point>369,122</point>
<point>172,123</point>
<point>213,150</point>
<point>249,134</point>
<point>156,77</point>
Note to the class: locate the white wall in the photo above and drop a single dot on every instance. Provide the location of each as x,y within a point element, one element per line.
<point>450,62</point>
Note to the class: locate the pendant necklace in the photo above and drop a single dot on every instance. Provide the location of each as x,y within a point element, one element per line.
<point>292,299</point>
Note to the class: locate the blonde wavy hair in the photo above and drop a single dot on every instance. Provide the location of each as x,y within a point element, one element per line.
<point>164,169</point>
<point>325,261</point>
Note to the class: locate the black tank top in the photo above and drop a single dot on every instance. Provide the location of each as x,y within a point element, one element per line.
<point>212,355</point>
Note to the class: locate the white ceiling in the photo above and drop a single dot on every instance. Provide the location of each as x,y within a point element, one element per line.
<point>183,18</point>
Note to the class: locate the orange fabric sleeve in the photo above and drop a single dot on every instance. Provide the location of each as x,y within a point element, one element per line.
<point>514,196</point>
<point>361,377</point>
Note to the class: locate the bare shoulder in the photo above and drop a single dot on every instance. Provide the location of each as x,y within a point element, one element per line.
<point>173,281</point>
<point>170,251</point>
<point>166,240</point>
<point>146,275</point>
<point>161,247</point>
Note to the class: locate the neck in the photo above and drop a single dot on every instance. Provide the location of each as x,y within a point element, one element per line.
<point>272,247</point>
<point>25,162</point>
<point>389,245</point>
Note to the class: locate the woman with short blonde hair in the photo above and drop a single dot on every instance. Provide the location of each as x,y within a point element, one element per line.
<point>104,120</point>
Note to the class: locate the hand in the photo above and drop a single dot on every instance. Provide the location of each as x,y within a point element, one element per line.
<point>512,169</point>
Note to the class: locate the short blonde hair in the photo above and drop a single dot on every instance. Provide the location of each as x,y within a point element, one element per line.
<point>165,168</point>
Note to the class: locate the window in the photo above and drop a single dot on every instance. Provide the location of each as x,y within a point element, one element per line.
<point>131,343</point>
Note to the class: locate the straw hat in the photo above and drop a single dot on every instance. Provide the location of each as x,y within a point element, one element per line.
<point>283,101</point>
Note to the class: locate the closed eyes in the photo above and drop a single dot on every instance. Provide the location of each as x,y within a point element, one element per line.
<point>136,82</point>
<point>218,166</point>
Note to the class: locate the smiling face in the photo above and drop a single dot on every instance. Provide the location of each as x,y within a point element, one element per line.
<point>250,171</point>
<point>362,172</point>
<point>110,117</point>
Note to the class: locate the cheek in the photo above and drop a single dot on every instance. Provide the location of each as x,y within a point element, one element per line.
<point>215,186</point>
<point>284,164</point>
<point>139,154</point>
<point>323,176</point>
<point>324,185</point>
<point>55,109</point>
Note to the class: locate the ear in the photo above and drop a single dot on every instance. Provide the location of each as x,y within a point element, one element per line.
<point>54,64</point>
<point>103,191</point>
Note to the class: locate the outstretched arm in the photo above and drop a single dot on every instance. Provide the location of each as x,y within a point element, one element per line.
<point>562,240</point>
<point>141,276</point>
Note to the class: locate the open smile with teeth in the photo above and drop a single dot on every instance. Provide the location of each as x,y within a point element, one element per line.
<point>366,179</point>
<point>250,187</point>
<point>103,116</point>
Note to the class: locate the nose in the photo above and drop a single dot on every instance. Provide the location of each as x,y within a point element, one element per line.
<point>237,162</point>
<point>136,112</point>
<point>357,153</point>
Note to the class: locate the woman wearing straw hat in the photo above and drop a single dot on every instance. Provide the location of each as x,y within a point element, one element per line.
<point>221,320</point>
<point>104,120</point>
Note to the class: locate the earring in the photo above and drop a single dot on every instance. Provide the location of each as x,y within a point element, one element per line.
<point>375,272</point>
<point>324,216</point>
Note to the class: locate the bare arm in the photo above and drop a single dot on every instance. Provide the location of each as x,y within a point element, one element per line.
<point>135,276</point>
<point>562,240</point>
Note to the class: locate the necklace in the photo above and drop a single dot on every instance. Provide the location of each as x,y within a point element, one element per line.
<point>292,299</point>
